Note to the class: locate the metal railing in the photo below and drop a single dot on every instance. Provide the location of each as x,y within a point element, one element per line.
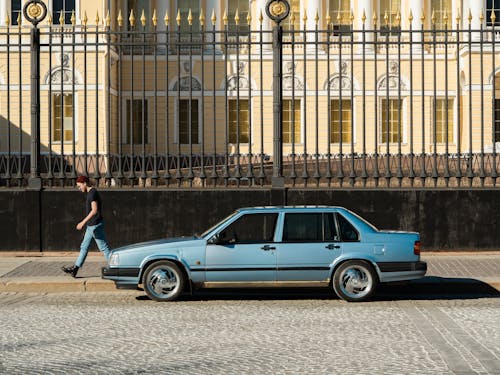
<point>142,106</point>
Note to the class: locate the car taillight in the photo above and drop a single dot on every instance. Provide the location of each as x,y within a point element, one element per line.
<point>416,248</point>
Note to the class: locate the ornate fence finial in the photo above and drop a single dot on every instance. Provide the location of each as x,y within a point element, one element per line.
<point>237,17</point>
<point>34,11</point>
<point>277,10</point>
<point>213,18</point>
<point>154,19</point>
<point>166,19</point>
<point>131,18</point>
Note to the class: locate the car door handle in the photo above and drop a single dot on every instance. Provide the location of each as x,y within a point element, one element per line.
<point>331,247</point>
<point>267,248</point>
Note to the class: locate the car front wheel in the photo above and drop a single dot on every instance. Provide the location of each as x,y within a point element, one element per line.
<point>355,281</point>
<point>163,281</point>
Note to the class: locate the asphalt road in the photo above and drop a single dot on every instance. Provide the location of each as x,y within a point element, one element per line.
<point>406,330</point>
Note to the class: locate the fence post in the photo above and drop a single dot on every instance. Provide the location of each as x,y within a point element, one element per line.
<point>35,11</point>
<point>277,10</point>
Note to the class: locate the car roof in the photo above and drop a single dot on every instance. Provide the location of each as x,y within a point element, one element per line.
<point>287,208</point>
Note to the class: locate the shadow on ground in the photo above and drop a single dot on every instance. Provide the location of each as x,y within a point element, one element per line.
<point>428,288</point>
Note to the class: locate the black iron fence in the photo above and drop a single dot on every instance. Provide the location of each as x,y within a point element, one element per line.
<point>194,103</point>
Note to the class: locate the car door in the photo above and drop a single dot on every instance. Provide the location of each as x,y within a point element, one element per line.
<point>244,251</point>
<point>309,245</point>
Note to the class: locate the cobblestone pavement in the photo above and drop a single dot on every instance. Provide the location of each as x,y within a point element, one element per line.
<point>127,334</point>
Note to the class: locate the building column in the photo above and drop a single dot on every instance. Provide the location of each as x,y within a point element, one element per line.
<point>476,7</point>
<point>417,9</point>
<point>266,25</point>
<point>4,11</point>
<point>313,8</point>
<point>366,7</point>
<point>161,10</point>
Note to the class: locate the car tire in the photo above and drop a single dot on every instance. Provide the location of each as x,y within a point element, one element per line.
<point>163,281</point>
<point>355,281</point>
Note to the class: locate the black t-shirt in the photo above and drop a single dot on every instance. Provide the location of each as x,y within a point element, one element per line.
<point>93,196</point>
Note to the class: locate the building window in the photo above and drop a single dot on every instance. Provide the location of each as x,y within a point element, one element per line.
<point>138,6</point>
<point>390,120</point>
<point>137,128</point>
<point>184,7</point>
<point>340,133</point>
<point>340,8</point>
<point>291,131</point>
<point>392,8</point>
<point>242,6</point>
<point>497,120</point>
<point>240,124</point>
<point>62,117</point>
<point>442,126</point>
<point>442,8</point>
<point>15,11</point>
<point>287,22</point>
<point>492,5</point>
<point>64,7</point>
<point>187,122</point>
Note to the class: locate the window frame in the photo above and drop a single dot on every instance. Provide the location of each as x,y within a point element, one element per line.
<point>453,123</point>
<point>339,231</point>
<point>125,139</point>
<point>177,119</point>
<point>488,14</point>
<point>57,15</point>
<point>337,237</point>
<point>301,130</point>
<point>403,120</point>
<point>352,123</point>
<point>75,119</point>
<point>250,128</point>
<point>389,29</point>
<point>10,11</point>
<point>216,236</point>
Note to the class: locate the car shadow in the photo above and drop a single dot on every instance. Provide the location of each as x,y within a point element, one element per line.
<point>428,288</point>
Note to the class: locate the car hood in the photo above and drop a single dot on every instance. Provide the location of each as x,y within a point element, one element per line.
<point>165,242</point>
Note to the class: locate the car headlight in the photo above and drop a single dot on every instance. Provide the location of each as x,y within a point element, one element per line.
<point>114,259</point>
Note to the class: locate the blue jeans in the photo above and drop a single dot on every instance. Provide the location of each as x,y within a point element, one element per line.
<point>97,233</point>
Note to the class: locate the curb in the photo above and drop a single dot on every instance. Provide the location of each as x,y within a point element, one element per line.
<point>51,285</point>
<point>96,284</point>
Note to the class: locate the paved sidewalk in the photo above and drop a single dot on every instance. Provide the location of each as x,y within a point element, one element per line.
<point>35,272</point>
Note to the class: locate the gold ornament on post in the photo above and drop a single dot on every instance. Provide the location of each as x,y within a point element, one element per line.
<point>120,18</point>
<point>34,11</point>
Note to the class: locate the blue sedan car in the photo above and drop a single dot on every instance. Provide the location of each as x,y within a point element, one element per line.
<point>308,246</point>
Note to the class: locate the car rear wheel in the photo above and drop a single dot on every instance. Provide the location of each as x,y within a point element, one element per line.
<point>163,281</point>
<point>355,281</point>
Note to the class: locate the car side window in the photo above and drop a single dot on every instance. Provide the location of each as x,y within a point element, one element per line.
<point>330,228</point>
<point>303,227</point>
<point>347,231</point>
<point>251,228</point>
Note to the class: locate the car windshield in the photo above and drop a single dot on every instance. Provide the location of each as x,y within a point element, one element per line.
<point>216,225</point>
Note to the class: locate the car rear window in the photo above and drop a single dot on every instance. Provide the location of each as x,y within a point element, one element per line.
<point>309,227</point>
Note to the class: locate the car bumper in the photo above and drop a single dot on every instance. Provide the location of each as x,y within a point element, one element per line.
<point>400,271</point>
<point>124,278</point>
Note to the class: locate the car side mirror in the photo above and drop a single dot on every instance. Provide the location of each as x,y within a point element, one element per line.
<point>219,239</point>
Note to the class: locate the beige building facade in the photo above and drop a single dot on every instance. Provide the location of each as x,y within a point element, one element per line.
<point>359,76</point>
